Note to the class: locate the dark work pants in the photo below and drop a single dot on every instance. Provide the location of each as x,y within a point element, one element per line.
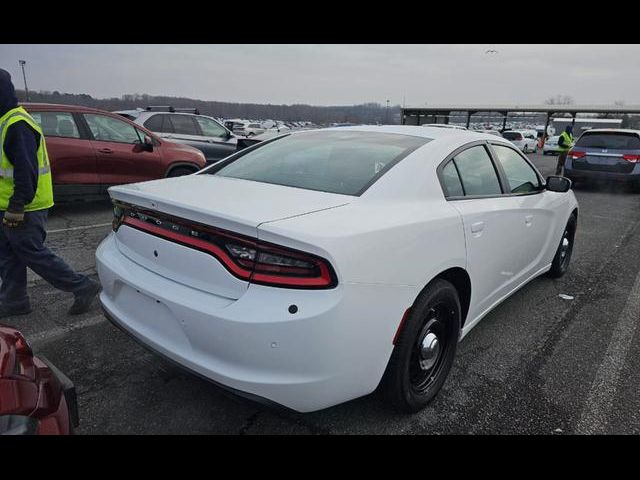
<point>561,159</point>
<point>23,247</point>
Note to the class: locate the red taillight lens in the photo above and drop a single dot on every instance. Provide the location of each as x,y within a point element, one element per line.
<point>246,258</point>
<point>574,154</point>
<point>22,346</point>
<point>631,158</point>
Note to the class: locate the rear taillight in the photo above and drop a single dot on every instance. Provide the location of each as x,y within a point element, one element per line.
<point>244,257</point>
<point>574,154</point>
<point>631,158</point>
<point>22,346</point>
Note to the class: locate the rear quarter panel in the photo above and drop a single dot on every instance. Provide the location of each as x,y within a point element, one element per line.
<point>393,244</point>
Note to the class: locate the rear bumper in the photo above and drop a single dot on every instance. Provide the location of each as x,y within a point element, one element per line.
<point>580,174</point>
<point>335,348</point>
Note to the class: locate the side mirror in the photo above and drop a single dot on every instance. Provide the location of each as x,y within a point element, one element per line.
<point>147,145</point>
<point>558,184</point>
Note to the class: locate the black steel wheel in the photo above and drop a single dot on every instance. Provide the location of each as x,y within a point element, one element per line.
<point>562,258</point>
<point>425,348</point>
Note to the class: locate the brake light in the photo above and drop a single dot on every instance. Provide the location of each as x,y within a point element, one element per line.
<point>244,257</point>
<point>631,158</point>
<point>574,154</point>
<point>22,346</point>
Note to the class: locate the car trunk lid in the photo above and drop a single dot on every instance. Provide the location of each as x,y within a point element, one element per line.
<point>171,225</point>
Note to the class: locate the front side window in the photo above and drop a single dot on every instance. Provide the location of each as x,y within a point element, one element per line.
<point>522,178</point>
<point>477,172</point>
<point>210,128</point>
<point>108,129</point>
<point>336,162</point>
<point>56,124</point>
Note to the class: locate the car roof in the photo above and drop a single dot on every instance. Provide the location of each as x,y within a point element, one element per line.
<point>612,130</point>
<point>58,106</point>
<point>449,137</point>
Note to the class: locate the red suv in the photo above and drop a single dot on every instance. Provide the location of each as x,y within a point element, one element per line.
<point>91,149</point>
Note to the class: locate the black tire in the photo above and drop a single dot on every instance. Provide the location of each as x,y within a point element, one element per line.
<point>412,380</point>
<point>562,258</point>
<point>180,171</point>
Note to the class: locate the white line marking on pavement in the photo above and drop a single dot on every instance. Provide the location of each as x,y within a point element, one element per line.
<point>83,227</point>
<point>45,337</point>
<point>603,389</point>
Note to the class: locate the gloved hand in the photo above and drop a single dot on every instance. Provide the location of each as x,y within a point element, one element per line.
<point>13,219</point>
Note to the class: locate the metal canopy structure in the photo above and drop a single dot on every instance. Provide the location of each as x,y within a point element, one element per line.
<point>415,115</point>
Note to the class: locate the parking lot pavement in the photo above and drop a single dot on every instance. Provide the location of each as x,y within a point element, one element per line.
<point>536,364</point>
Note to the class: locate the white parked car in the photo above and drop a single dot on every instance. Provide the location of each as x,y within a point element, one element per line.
<point>310,269</point>
<point>523,139</point>
<point>551,146</point>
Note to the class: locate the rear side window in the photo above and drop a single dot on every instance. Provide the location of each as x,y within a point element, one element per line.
<point>56,124</point>
<point>159,123</point>
<point>522,178</point>
<point>477,172</point>
<point>613,141</point>
<point>336,162</point>
<point>451,181</point>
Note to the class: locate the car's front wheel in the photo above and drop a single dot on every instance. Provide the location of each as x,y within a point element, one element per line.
<point>425,348</point>
<point>562,258</point>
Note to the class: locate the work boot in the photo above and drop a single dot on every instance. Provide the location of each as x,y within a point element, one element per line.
<point>84,298</point>
<point>6,311</point>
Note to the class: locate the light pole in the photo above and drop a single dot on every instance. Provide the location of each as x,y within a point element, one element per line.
<point>24,76</point>
<point>386,114</point>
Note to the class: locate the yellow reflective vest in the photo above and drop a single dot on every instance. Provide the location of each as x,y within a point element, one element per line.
<point>568,140</point>
<point>44,191</point>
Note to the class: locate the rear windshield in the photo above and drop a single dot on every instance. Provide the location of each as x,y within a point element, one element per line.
<point>613,140</point>
<point>335,162</point>
<point>512,135</point>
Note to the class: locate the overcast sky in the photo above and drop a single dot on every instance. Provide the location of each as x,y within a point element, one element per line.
<point>336,74</point>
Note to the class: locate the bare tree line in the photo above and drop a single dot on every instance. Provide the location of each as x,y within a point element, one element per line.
<point>369,113</point>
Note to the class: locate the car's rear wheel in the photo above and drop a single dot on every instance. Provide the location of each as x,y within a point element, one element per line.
<point>562,258</point>
<point>425,348</point>
<point>180,171</point>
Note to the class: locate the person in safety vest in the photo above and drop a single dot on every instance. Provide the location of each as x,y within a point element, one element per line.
<point>565,143</point>
<point>26,194</point>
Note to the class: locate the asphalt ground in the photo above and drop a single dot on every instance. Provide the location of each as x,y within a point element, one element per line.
<point>538,364</point>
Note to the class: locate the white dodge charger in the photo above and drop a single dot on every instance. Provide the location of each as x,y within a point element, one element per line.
<point>314,268</point>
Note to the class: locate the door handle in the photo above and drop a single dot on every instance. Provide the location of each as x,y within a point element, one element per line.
<point>527,220</point>
<point>105,150</point>
<point>477,227</point>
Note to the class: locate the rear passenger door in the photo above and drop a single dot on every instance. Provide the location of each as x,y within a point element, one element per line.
<point>72,158</point>
<point>493,235</point>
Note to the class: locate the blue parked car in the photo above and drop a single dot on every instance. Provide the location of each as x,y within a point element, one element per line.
<point>607,154</point>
